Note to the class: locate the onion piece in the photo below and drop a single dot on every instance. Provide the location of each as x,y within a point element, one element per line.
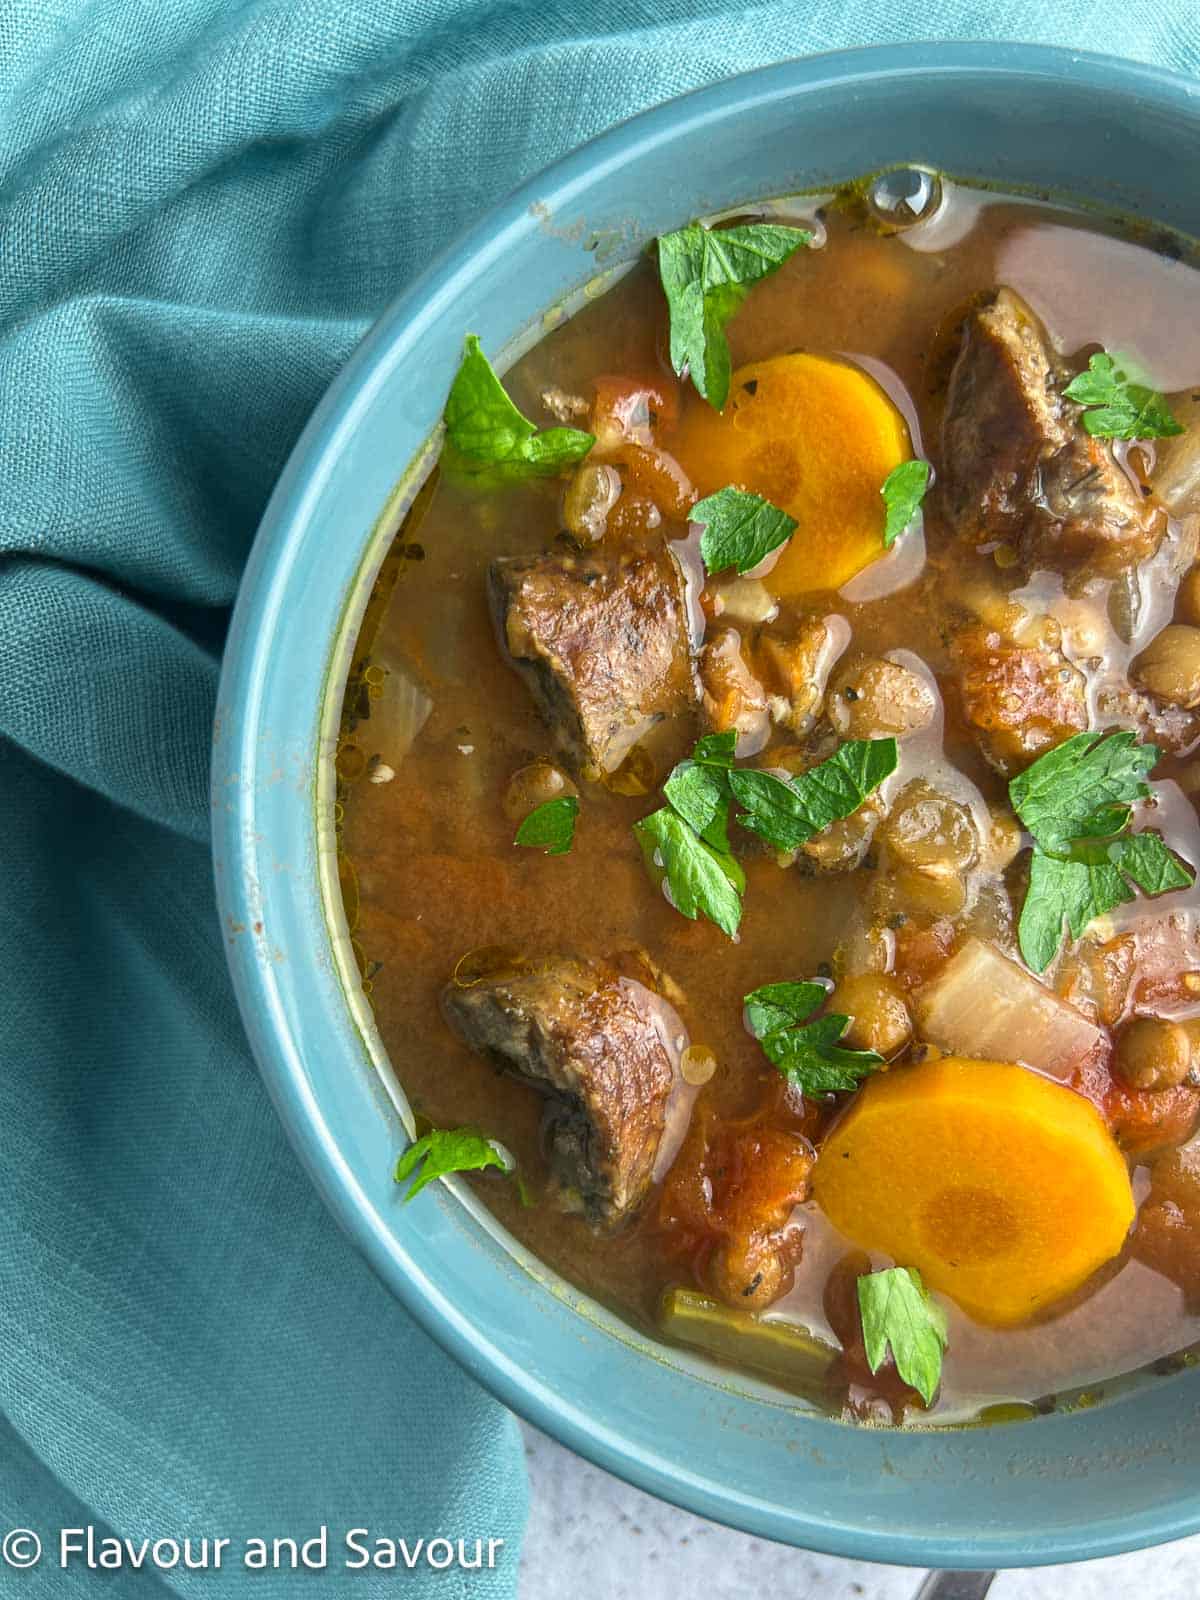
<point>745,600</point>
<point>399,711</point>
<point>981,1004</point>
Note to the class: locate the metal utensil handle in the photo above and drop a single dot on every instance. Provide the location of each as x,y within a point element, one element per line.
<point>955,1586</point>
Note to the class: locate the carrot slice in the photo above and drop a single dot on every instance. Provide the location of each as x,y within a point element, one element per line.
<point>1004,1188</point>
<point>816,437</point>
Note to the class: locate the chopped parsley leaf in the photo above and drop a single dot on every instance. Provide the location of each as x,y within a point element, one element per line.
<point>1083,786</point>
<point>487,438</point>
<point>1118,408</point>
<point>551,825</point>
<point>1077,801</point>
<point>898,1312</point>
<point>787,812</point>
<point>740,529</point>
<point>903,491</point>
<point>689,837</point>
<point>706,273</point>
<point>806,1052</point>
<point>699,877</point>
<point>445,1150</point>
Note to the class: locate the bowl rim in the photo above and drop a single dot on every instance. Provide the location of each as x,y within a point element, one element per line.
<point>241,763</point>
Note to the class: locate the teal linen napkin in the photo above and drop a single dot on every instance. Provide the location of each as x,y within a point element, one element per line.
<point>202,205</point>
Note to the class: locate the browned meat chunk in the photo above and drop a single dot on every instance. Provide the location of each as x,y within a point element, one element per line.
<point>1018,700</point>
<point>1018,466</point>
<point>598,1045</point>
<point>602,641</point>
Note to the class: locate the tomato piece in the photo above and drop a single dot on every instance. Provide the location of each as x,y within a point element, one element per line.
<point>727,1203</point>
<point>631,407</point>
<point>1144,1120</point>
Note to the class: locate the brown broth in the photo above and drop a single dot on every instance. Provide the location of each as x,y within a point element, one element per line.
<point>432,852</point>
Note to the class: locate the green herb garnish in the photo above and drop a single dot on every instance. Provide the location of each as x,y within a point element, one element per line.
<point>699,788</point>
<point>706,273</point>
<point>740,529</point>
<point>903,490</point>
<point>781,1005</point>
<point>716,749</point>
<point>689,837</point>
<point>806,1052</point>
<point>897,1310</point>
<point>445,1150</point>
<point>1077,891</point>
<point>1085,785</point>
<point>551,825</point>
<point>700,878</point>
<point>787,812</point>
<point>487,438</point>
<point>1117,407</point>
<point>1077,801</point>
<point>702,800</point>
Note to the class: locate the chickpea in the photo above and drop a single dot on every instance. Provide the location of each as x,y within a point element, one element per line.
<point>938,891</point>
<point>1188,602</point>
<point>866,947</point>
<point>533,786</point>
<point>1169,666</point>
<point>870,698</point>
<point>927,829</point>
<point>591,494</point>
<point>843,844</point>
<point>879,1017</point>
<point>1153,1053</point>
<point>748,1274</point>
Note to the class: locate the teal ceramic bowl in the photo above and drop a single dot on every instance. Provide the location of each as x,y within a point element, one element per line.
<point>1059,1488</point>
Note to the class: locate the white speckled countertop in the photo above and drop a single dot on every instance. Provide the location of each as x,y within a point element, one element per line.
<point>594,1538</point>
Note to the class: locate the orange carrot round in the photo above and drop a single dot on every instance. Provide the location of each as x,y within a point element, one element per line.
<point>1003,1188</point>
<point>815,436</point>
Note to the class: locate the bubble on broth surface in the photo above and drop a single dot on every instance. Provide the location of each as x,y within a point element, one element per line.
<point>697,1064</point>
<point>904,197</point>
<point>488,961</point>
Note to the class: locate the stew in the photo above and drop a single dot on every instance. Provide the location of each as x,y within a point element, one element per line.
<point>767,813</point>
